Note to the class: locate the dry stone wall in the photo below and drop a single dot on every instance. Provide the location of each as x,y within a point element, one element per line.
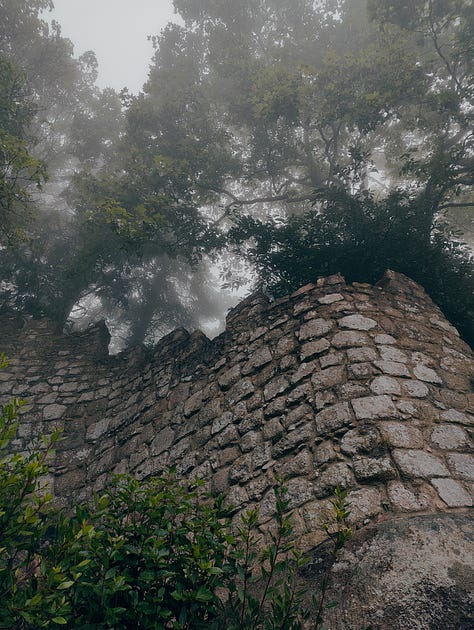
<point>359,386</point>
<point>364,387</point>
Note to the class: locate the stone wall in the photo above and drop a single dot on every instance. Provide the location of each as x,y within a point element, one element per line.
<point>364,387</point>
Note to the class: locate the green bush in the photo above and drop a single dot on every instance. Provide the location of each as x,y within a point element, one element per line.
<point>30,596</point>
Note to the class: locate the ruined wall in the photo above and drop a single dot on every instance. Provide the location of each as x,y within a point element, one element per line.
<point>364,387</point>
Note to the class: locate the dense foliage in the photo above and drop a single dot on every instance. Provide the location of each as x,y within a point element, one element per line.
<point>255,118</point>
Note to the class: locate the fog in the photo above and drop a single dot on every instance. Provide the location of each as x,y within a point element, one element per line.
<point>117,31</point>
<point>276,141</point>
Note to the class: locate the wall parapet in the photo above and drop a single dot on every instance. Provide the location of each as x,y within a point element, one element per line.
<point>352,385</point>
<point>367,387</point>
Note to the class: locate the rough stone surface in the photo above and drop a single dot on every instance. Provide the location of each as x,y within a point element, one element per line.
<point>402,576</point>
<point>415,463</point>
<point>357,322</point>
<point>372,407</point>
<point>362,387</point>
<point>452,493</point>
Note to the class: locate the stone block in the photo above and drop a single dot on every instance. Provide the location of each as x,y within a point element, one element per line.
<point>415,389</point>
<point>335,475</point>
<point>330,298</point>
<point>163,441</point>
<point>385,385</point>
<point>290,442</point>
<point>261,455</point>
<point>315,328</point>
<point>384,339</point>
<point>374,407</point>
<point>350,339</point>
<point>452,493</point>
<point>257,359</point>
<point>314,348</point>
<point>229,377</point>
<point>449,436</point>
<point>360,371</point>
<point>329,377</point>
<point>241,470</point>
<point>249,440</point>
<point>390,353</point>
<point>228,455</point>
<point>303,391</point>
<point>275,387</point>
<point>333,418</point>
<point>300,491</point>
<point>370,469</point>
<point>287,363</point>
<point>419,464</point>
<point>242,389</point>
<point>407,499</point>
<point>304,370</point>
<point>453,415</point>
<point>365,504</point>
<point>462,465</point>
<point>333,358</point>
<point>222,422</point>
<point>193,404</point>
<point>401,435</point>
<point>424,373</point>
<point>357,322</point>
<point>354,389</point>
<point>98,429</point>
<point>295,466</point>
<point>393,368</point>
<point>237,497</point>
<point>227,436</point>
<point>300,413</point>
<point>272,429</point>
<point>285,346</point>
<point>361,355</point>
<point>360,440</point>
<point>54,412</point>
<point>275,408</point>
<point>324,453</point>
<point>178,450</point>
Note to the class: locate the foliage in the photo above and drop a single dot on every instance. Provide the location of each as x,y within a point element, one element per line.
<point>362,236</point>
<point>19,170</point>
<point>249,108</point>
<point>339,533</point>
<point>262,583</point>
<point>29,597</point>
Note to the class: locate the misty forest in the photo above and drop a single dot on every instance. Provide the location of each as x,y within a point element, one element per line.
<point>273,142</point>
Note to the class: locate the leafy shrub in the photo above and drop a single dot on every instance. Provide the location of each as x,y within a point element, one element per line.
<point>29,596</point>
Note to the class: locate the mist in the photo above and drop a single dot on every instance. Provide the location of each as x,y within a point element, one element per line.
<point>161,160</point>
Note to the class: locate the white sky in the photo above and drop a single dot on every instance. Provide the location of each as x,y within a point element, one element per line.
<point>116,30</point>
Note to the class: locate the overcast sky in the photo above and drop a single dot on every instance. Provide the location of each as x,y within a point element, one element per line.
<point>116,30</point>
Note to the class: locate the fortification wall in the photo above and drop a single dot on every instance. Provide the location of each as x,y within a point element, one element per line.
<point>365,387</point>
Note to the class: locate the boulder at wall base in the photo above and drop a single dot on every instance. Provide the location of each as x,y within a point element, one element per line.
<point>414,573</point>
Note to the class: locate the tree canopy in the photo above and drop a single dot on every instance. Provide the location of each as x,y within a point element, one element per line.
<point>268,131</point>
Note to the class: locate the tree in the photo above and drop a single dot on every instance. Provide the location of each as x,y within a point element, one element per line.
<point>361,236</point>
<point>253,111</point>
<point>19,170</point>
